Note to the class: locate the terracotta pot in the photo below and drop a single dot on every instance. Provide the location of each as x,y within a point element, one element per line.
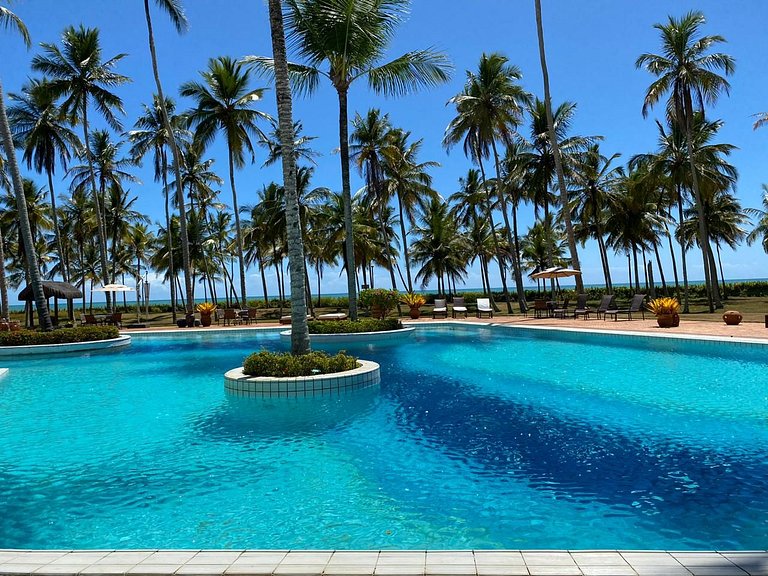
<point>664,320</point>
<point>415,313</point>
<point>675,320</point>
<point>732,317</point>
<point>205,319</point>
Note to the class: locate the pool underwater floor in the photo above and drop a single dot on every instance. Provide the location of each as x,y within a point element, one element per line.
<point>385,562</point>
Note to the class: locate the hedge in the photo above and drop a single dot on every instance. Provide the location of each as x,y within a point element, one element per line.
<point>353,326</point>
<point>285,364</point>
<point>62,336</point>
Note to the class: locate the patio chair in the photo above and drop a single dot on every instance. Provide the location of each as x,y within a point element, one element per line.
<point>540,308</point>
<point>581,308</point>
<point>484,307</point>
<point>253,315</point>
<point>458,306</point>
<point>231,315</point>
<point>115,319</point>
<point>88,320</point>
<point>606,303</point>
<point>561,311</point>
<point>635,306</point>
<point>440,308</point>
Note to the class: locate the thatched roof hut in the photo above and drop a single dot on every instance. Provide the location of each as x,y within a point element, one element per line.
<point>62,290</point>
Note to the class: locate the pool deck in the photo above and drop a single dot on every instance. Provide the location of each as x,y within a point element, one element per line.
<point>385,563</point>
<point>419,562</point>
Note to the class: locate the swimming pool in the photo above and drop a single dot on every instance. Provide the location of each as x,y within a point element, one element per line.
<point>477,438</point>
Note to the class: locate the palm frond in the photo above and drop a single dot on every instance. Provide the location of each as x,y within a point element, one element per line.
<point>412,70</point>
<point>175,12</point>
<point>10,21</point>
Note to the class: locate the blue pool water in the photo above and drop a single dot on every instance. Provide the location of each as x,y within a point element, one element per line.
<point>480,438</point>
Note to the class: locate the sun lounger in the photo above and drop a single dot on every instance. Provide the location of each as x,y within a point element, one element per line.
<point>484,307</point>
<point>581,308</point>
<point>440,308</point>
<point>606,303</point>
<point>635,306</point>
<point>561,311</point>
<point>458,307</point>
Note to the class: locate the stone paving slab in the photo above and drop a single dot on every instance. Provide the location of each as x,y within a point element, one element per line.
<point>384,563</point>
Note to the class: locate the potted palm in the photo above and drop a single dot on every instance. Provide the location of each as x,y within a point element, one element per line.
<point>206,309</point>
<point>667,311</point>
<point>414,302</point>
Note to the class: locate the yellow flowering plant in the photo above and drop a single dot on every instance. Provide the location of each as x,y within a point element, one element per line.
<point>662,306</point>
<point>206,308</point>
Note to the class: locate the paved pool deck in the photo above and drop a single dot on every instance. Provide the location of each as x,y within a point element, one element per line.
<point>384,563</point>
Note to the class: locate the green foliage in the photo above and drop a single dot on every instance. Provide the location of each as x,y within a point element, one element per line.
<point>353,326</point>
<point>285,364</point>
<point>63,336</point>
<point>379,300</point>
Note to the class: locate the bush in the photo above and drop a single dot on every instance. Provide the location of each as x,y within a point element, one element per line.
<point>284,365</point>
<point>62,336</point>
<point>353,326</point>
<point>379,301</point>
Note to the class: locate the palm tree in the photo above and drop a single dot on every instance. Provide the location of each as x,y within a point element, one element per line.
<point>688,70</point>
<point>762,120</point>
<point>408,180</point>
<point>224,103</point>
<point>38,124</point>
<point>760,231</point>
<point>151,135</point>
<point>299,330</point>
<point>594,179</point>
<point>556,152</point>
<point>351,36</point>
<point>489,109</point>
<point>78,74</point>
<point>9,20</point>
<point>542,244</point>
<point>175,12</point>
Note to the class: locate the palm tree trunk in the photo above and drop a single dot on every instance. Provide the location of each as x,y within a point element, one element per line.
<point>346,195</point>
<point>674,261</point>
<point>661,270</point>
<point>168,235</point>
<point>720,264</point>
<point>3,281</point>
<point>495,241</point>
<point>185,257</point>
<point>686,309</point>
<point>556,153</point>
<point>511,238</point>
<point>703,237</point>
<point>405,242</point>
<point>637,270</point>
<point>56,231</point>
<point>263,279</point>
<point>238,230</point>
<point>97,206</point>
<point>25,231</point>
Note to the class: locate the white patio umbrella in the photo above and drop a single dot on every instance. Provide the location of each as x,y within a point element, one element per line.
<point>114,288</point>
<point>554,273</point>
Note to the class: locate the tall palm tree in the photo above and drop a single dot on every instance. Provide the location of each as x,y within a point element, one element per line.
<point>175,12</point>
<point>224,103</point>
<point>39,125</point>
<point>299,330</point>
<point>594,179</point>
<point>489,109</point>
<point>556,152</point>
<point>78,74</point>
<point>4,184</point>
<point>9,20</point>
<point>351,37</point>
<point>150,134</point>
<point>688,70</point>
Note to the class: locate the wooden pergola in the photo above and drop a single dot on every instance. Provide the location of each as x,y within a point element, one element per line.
<point>55,290</point>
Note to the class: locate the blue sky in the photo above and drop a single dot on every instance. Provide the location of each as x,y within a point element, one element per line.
<point>591,48</point>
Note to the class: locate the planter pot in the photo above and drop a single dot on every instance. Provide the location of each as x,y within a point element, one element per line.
<point>664,320</point>
<point>205,319</point>
<point>675,320</point>
<point>415,313</point>
<point>732,317</point>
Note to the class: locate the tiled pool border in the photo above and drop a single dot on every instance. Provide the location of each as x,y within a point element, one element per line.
<point>381,562</point>
<point>396,562</point>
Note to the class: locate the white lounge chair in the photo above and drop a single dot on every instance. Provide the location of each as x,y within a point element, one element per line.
<point>440,308</point>
<point>458,307</point>
<point>484,307</point>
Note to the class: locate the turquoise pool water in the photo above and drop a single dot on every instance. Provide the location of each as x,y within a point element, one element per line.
<point>479,438</point>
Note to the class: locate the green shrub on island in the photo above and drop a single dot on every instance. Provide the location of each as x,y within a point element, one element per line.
<point>62,336</point>
<point>353,326</point>
<point>379,301</point>
<point>285,364</point>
